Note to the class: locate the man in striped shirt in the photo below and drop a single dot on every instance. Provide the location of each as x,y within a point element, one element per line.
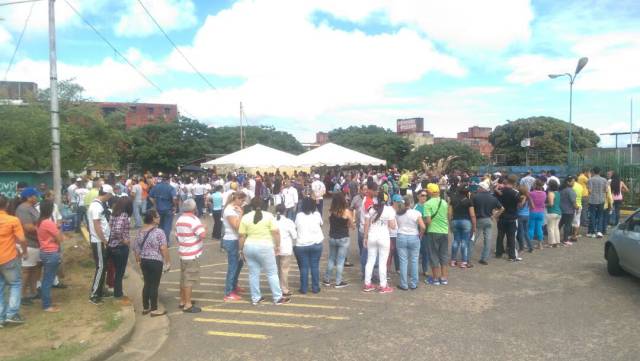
<point>190,234</point>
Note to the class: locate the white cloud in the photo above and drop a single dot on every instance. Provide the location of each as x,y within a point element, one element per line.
<point>101,81</point>
<point>612,63</point>
<point>15,15</point>
<point>6,43</point>
<point>294,69</point>
<point>171,14</point>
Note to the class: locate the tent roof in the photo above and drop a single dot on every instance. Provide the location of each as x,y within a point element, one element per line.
<point>331,154</point>
<point>255,156</point>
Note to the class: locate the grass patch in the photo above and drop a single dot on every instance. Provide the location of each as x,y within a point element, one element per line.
<point>64,353</point>
<point>111,316</point>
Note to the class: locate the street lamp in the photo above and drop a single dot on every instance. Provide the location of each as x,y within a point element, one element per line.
<point>581,63</point>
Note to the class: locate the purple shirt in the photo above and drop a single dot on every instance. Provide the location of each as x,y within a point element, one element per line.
<point>539,198</point>
<point>151,248</point>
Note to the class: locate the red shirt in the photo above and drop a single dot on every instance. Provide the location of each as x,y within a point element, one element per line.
<point>47,232</point>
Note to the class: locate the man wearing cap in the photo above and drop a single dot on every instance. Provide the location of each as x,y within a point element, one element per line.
<point>318,190</point>
<point>11,236</point>
<point>486,206</point>
<point>99,231</point>
<point>31,265</point>
<point>163,197</point>
<point>507,223</point>
<point>72,198</point>
<point>436,215</point>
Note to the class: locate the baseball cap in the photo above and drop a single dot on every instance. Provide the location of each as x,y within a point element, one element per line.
<point>433,188</point>
<point>106,188</point>
<point>397,198</point>
<point>78,179</point>
<point>316,176</point>
<point>30,192</point>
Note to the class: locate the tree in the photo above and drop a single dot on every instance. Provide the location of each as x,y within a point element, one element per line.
<point>467,157</point>
<point>373,140</point>
<point>549,139</point>
<point>226,140</point>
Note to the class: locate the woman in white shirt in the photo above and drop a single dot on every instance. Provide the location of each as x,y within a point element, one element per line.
<point>410,230</point>
<point>288,233</point>
<point>378,220</point>
<point>308,247</point>
<point>231,216</point>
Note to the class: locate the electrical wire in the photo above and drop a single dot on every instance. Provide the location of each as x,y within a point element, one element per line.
<point>113,47</point>
<point>15,51</point>
<point>175,46</point>
<point>18,2</point>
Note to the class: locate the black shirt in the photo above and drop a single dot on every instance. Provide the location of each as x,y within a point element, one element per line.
<point>461,207</point>
<point>485,203</point>
<point>509,200</point>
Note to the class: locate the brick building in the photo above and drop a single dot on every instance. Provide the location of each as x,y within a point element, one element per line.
<point>412,129</point>
<point>141,114</point>
<point>18,91</point>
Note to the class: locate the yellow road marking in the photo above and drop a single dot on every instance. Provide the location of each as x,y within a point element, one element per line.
<point>267,313</point>
<point>266,294</point>
<point>301,305</point>
<point>253,323</point>
<point>203,266</point>
<point>235,334</point>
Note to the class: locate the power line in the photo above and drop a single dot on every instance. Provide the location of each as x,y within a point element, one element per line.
<point>175,46</point>
<point>113,47</point>
<point>15,51</point>
<point>18,2</point>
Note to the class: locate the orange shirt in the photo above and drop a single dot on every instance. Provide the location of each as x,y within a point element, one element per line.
<point>10,231</point>
<point>47,232</point>
<point>145,190</point>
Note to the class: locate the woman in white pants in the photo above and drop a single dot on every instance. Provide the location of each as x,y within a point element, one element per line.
<point>378,220</point>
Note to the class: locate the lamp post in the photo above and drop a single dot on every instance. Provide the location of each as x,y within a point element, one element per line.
<point>581,63</point>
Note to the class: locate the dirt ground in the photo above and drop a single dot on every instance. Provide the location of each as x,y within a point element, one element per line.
<point>77,327</point>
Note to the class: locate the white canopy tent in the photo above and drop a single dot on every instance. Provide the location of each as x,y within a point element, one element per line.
<point>256,156</point>
<point>330,155</point>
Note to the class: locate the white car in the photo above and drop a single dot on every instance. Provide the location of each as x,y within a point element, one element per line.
<point>622,249</point>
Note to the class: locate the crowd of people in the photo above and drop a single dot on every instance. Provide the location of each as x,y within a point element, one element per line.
<point>399,219</point>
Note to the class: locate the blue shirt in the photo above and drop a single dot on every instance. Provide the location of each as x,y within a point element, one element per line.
<point>163,194</point>
<point>216,199</point>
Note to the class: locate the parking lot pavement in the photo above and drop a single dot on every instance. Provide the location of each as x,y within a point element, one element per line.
<point>558,304</point>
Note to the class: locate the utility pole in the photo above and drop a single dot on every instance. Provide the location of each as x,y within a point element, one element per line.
<point>55,116</point>
<point>241,129</point>
<point>631,131</point>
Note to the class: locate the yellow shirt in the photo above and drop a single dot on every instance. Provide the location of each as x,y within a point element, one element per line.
<point>404,181</point>
<point>93,194</point>
<point>577,187</point>
<point>258,233</point>
<point>583,179</point>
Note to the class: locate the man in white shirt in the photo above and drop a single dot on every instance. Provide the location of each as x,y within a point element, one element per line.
<point>290,199</point>
<point>99,232</point>
<point>199,189</point>
<point>190,234</point>
<point>318,191</point>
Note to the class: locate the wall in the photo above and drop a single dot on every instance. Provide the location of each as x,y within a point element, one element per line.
<point>9,181</point>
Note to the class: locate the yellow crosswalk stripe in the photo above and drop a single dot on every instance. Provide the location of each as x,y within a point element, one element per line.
<point>264,294</point>
<point>253,323</point>
<point>300,305</point>
<point>241,335</point>
<point>269,313</point>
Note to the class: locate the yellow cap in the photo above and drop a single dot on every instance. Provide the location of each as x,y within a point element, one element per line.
<point>433,188</point>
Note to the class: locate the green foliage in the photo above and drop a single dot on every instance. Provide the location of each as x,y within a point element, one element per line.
<point>550,138</point>
<point>468,157</point>
<point>224,140</point>
<point>373,140</point>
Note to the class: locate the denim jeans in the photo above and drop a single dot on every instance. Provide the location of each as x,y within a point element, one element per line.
<point>424,254</point>
<point>604,221</point>
<point>615,217</point>
<point>484,228</point>
<point>320,205</point>
<point>139,209</point>
<point>536,221</point>
<point>199,204</point>
<point>261,256</point>
<point>408,248</point>
<point>363,252</point>
<point>291,213</point>
<point>234,264</point>
<point>119,255</point>
<point>166,223</point>
<point>50,263</point>
<point>11,277</point>
<point>309,259</point>
<point>523,233</point>
<point>461,235</point>
<point>338,250</point>
<point>595,218</point>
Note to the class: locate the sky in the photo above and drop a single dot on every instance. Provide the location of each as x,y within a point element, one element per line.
<point>304,66</point>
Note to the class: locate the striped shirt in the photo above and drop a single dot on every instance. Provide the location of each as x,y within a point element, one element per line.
<point>190,233</point>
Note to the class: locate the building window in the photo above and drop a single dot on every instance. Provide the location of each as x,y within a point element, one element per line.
<point>132,108</point>
<point>150,110</point>
<point>167,111</point>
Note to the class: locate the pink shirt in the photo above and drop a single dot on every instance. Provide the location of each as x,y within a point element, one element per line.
<point>47,232</point>
<point>539,198</point>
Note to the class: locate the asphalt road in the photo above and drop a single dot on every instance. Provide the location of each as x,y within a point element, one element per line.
<point>558,304</point>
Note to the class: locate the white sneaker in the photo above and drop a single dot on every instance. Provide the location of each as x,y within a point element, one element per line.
<point>599,235</point>
<point>591,235</point>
